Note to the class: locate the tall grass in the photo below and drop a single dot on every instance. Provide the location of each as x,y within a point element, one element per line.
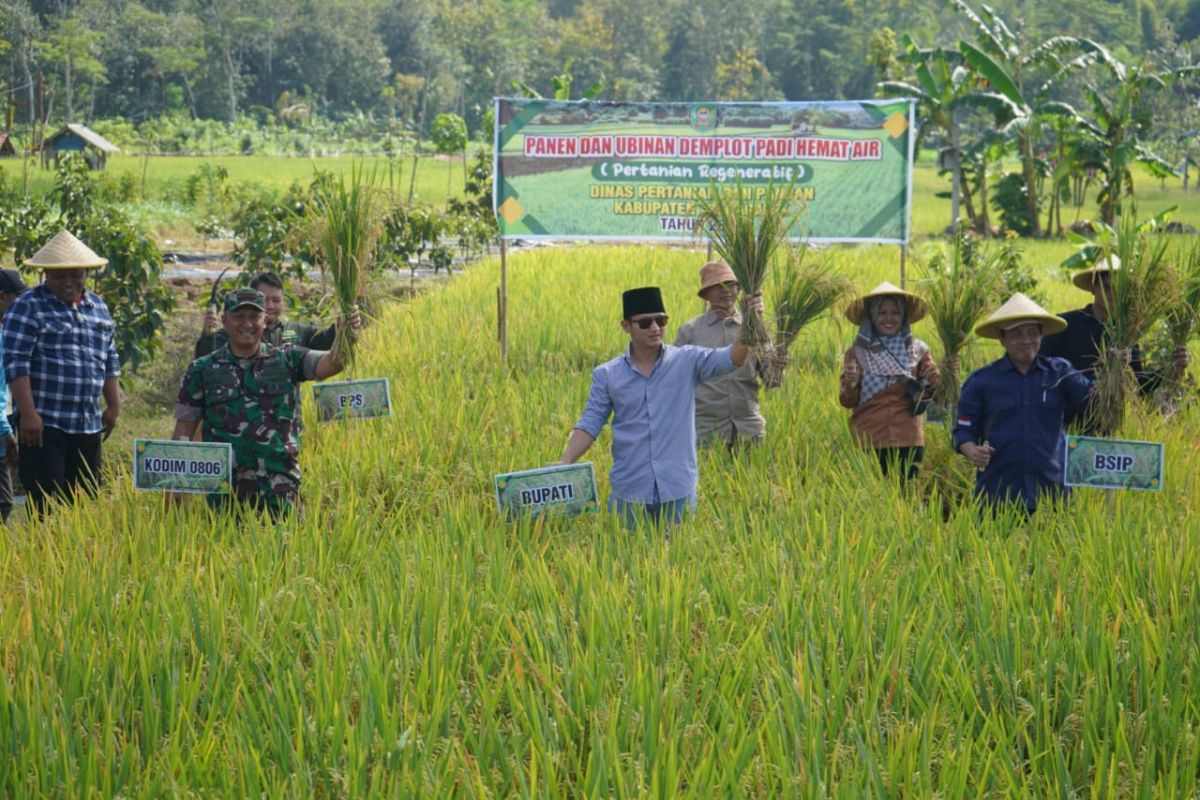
<point>1144,290</point>
<point>959,288</point>
<point>346,233</point>
<point>1182,321</point>
<point>812,632</point>
<point>803,289</point>
<point>747,226</point>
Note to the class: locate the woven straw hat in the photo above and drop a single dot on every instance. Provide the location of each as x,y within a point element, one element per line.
<point>1017,311</point>
<point>64,251</point>
<point>914,306</point>
<point>1085,279</point>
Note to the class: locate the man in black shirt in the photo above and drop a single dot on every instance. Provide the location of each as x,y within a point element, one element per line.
<point>1083,342</point>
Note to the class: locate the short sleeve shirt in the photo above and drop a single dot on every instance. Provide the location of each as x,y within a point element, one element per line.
<point>253,404</point>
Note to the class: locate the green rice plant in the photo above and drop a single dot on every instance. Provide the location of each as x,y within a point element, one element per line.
<point>959,290</point>
<point>747,226</point>
<point>1144,290</point>
<point>803,290</point>
<point>1181,323</point>
<point>813,631</point>
<point>345,233</point>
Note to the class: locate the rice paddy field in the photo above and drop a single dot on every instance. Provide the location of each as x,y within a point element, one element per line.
<point>811,632</point>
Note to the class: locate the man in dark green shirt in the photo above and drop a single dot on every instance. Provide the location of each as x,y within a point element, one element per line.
<point>277,332</point>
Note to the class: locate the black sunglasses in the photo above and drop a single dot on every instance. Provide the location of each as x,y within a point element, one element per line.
<point>645,322</point>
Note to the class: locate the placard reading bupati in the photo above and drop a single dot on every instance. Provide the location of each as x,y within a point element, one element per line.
<point>566,490</point>
<point>165,465</point>
<point>371,397</point>
<point>1113,463</point>
<point>638,170</point>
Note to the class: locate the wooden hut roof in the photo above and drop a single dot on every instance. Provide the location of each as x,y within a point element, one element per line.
<point>90,136</point>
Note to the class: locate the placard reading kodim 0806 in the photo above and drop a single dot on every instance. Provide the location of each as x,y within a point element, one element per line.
<point>165,465</point>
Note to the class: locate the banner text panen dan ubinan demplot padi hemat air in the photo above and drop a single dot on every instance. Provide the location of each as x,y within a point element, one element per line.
<point>636,171</point>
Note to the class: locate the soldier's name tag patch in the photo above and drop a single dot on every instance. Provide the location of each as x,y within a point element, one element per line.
<point>166,465</point>
<point>362,399</point>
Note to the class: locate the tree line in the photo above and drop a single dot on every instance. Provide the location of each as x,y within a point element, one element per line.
<point>1076,116</point>
<point>405,60</point>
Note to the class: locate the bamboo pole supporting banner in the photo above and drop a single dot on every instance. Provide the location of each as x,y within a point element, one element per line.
<point>903,265</point>
<point>502,303</point>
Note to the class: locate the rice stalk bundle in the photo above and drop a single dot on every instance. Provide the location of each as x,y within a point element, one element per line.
<point>802,293</point>
<point>1183,319</point>
<point>747,227</point>
<point>958,295</point>
<point>1144,291</point>
<point>345,235</point>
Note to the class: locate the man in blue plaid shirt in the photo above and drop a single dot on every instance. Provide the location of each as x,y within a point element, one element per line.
<point>59,359</point>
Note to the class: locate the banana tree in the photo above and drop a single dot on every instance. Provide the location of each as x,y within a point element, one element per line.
<point>1005,60</point>
<point>1121,116</point>
<point>944,89</point>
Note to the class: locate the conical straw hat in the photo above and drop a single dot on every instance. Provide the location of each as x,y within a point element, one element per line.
<point>914,306</point>
<point>1084,279</point>
<point>1018,310</point>
<point>64,251</point>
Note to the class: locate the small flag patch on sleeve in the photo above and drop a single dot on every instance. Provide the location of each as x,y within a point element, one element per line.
<point>964,421</point>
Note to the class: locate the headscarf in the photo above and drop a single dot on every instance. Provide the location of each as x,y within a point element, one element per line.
<point>885,359</point>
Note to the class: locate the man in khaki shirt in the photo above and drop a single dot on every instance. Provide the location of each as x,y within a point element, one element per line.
<point>726,406</point>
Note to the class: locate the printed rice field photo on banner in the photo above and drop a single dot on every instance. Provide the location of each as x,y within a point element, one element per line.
<point>360,399</point>
<point>1113,464</point>
<point>163,465</point>
<point>569,489</point>
<point>640,171</point>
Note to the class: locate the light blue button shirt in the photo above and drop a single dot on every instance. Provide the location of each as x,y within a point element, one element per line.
<point>653,420</point>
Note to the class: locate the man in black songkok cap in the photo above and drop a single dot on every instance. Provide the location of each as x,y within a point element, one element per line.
<point>649,391</point>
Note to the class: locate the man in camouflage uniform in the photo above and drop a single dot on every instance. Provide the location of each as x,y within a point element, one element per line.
<point>277,332</point>
<point>247,393</point>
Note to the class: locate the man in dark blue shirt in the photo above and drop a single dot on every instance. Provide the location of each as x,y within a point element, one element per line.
<point>1012,411</point>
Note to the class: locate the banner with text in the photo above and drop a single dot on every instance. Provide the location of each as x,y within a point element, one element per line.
<point>637,171</point>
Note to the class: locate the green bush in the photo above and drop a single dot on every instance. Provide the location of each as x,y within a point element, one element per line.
<point>131,281</point>
<point>1008,198</point>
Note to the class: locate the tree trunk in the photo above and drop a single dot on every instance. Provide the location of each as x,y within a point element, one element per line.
<point>32,98</point>
<point>983,200</point>
<point>956,179</point>
<point>187,87</point>
<point>231,84</point>
<point>412,181</point>
<point>70,90</point>
<point>1029,172</point>
<point>969,204</point>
